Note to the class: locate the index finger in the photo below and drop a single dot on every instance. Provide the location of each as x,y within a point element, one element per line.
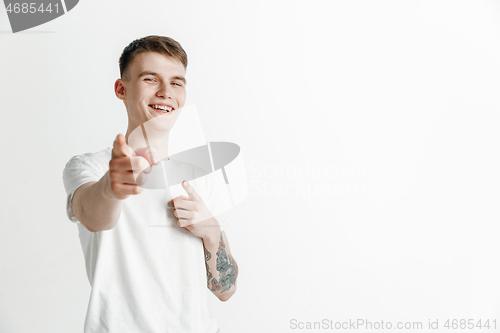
<point>120,147</point>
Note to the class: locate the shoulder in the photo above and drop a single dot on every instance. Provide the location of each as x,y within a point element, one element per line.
<point>84,168</point>
<point>88,166</point>
<point>97,159</point>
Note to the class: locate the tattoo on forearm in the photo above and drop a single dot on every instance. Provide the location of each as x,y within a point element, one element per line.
<point>207,258</point>
<point>226,266</point>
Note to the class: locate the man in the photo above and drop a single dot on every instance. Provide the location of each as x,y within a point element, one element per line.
<point>144,278</point>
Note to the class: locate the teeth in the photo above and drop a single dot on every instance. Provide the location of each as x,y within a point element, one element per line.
<point>163,108</point>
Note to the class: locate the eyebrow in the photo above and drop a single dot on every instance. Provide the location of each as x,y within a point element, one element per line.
<point>177,77</point>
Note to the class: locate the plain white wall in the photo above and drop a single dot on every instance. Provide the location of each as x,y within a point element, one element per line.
<point>369,131</point>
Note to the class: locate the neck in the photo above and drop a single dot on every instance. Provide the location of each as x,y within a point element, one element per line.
<point>149,137</point>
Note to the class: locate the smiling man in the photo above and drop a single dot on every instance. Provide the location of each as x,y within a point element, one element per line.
<point>145,278</point>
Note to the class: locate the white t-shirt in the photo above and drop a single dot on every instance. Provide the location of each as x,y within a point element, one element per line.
<point>147,274</point>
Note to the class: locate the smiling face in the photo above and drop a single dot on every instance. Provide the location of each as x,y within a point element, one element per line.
<point>154,85</point>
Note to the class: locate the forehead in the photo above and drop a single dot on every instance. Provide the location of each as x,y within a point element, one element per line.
<point>156,62</point>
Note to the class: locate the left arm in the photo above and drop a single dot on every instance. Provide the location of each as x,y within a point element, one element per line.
<point>222,270</point>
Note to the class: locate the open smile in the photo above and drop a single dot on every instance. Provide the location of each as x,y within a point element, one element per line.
<point>162,108</point>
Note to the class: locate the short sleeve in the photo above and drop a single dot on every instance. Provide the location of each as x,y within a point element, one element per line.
<point>78,171</point>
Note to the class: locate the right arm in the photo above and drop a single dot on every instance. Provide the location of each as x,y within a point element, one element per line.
<point>97,205</point>
<point>94,207</point>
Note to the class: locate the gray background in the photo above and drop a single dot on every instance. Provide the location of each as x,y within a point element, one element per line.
<point>397,101</point>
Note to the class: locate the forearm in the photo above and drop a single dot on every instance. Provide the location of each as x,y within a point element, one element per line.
<point>222,269</point>
<point>95,207</point>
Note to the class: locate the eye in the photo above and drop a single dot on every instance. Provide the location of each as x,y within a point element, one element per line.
<point>176,83</point>
<point>150,80</point>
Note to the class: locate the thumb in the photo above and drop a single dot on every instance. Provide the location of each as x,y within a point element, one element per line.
<point>193,195</point>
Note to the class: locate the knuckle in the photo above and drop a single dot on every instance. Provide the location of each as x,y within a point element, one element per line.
<point>113,164</point>
<point>114,186</point>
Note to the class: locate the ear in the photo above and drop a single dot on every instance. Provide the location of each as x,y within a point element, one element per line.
<point>120,89</point>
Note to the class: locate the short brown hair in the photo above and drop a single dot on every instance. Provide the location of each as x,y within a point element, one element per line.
<point>159,44</point>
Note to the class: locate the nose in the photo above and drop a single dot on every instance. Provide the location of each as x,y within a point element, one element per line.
<point>164,91</point>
